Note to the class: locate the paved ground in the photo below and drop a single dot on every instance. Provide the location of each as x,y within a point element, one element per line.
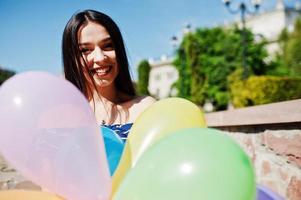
<point>11,179</point>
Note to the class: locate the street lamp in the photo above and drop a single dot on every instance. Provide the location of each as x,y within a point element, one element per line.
<point>243,9</point>
<point>174,41</point>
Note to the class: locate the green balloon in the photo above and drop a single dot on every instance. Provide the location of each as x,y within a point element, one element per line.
<point>194,164</point>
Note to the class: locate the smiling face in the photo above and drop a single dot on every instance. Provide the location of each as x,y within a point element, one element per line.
<point>98,51</point>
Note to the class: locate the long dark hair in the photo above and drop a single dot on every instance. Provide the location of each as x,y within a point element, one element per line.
<point>73,67</point>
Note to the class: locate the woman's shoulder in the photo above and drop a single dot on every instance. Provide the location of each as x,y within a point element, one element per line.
<point>139,101</point>
<point>145,100</point>
<point>142,102</point>
<point>139,104</point>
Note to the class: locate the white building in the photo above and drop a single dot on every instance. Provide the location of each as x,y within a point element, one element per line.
<point>268,24</point>
<point>162,75</point>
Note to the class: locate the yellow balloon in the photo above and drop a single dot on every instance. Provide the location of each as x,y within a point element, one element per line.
<point>123,166</point>
<point>161,119</point>
<point>27,195</point>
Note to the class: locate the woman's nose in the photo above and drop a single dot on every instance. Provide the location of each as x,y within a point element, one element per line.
<point>98,55</point>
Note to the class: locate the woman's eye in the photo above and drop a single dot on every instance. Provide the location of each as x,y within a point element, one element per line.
<point>108,47</point>
<point>85,50</point>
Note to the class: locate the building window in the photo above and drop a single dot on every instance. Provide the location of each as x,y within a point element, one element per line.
<point>157,93</point>
<point>157,77</point>
<point>170,75</point>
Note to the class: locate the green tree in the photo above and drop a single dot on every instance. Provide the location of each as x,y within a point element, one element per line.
<point>206,57</point>
<point>293,50</point>
<point>143,77</point>
<point>5,74</point>
<point>288,60</point>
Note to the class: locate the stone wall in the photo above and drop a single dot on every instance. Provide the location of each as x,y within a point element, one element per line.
<point>276,156</point>
<point>271,135</point>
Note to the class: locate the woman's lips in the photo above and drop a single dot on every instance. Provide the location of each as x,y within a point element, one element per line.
<point>102,71</point>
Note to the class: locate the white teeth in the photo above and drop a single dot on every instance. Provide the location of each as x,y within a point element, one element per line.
<point>102,71</point>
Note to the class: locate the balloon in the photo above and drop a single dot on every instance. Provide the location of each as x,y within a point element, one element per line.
<point>122,168</point>
<point>114,147</point>
<point>160,119</point>
<point>49,134</point>
<point>194,164</point>
<point>27,195</point>
<point>264,193</point>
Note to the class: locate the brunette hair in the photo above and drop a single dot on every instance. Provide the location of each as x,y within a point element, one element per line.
<point>72,56</point>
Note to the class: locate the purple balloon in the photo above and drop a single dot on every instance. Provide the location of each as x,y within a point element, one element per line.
<point>264,193</point>
<point>49,134</point>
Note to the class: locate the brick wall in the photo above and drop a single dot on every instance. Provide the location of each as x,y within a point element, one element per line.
<point>276,155</point>
<point>271,136</point>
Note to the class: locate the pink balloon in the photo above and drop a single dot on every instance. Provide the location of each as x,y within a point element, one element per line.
<point>49,134</point>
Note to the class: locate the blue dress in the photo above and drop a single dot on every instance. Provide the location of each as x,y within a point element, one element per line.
<point>114,137</point>
<point>121,129</point>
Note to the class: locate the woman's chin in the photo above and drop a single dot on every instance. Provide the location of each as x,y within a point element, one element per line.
<point>103,83</point>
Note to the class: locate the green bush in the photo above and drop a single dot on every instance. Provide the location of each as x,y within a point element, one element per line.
<point>258,90</point>
<point>5,74</point>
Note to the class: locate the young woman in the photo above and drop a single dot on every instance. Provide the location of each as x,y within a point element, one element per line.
<point>95,61</point>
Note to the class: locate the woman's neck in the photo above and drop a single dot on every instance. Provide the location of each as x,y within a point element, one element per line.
<point>108,106</point>
<point>108,94</point>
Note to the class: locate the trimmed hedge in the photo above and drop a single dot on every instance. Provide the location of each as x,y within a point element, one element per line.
<point>258,90</point>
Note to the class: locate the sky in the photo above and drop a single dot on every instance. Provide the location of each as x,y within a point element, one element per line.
<point>31,30</point>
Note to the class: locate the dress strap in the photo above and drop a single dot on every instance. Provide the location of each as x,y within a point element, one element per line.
<point>121,129</point>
